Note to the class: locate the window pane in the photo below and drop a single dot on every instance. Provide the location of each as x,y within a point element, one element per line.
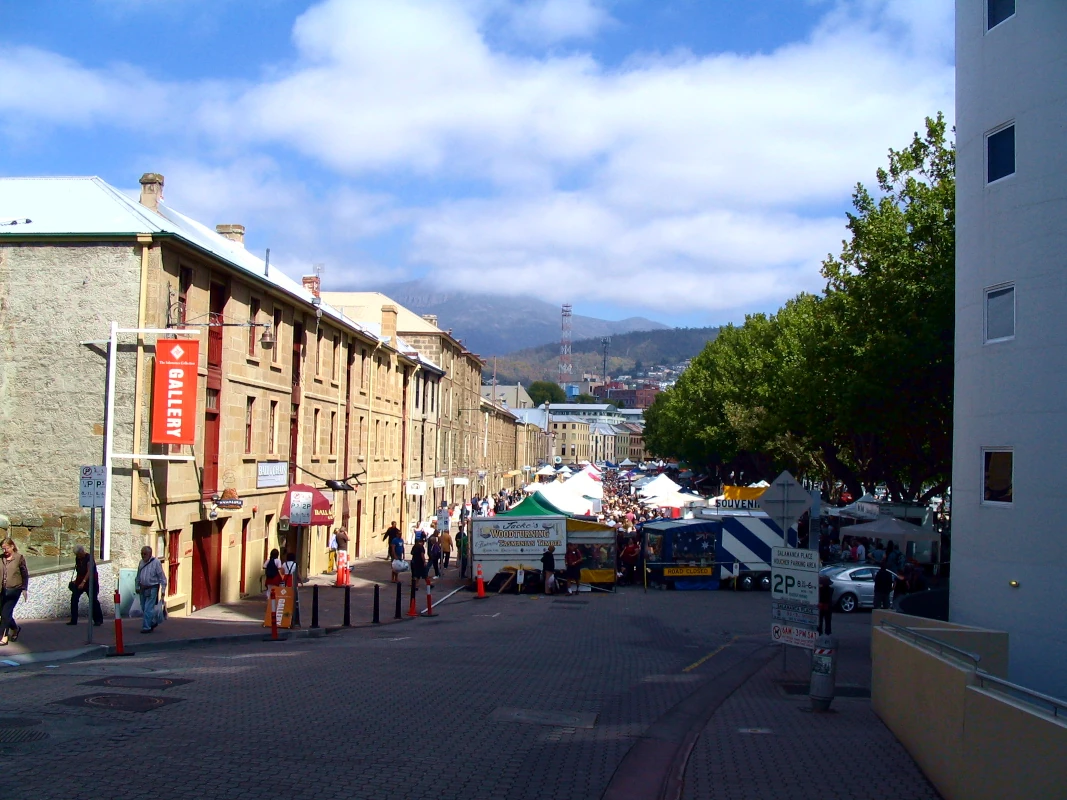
<point>998,476</point>
<point>1000,313</point>
<point>998,11</point>
<point>1000,147</point>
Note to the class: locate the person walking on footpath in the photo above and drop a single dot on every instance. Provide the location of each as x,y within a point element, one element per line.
<point>150,582</point>
<point>331,554</point>
<point>548,569</point>
<point>289,570</point>
<point>826,605</point>
<point>435,551</point>
<point>342,541</point>
<point>83,563</point>
<point>14,584</point>
<point>573,559</point>
<point>391,533</point>
<point>446,548</point>
<point>396,548</point>
<point>419,568</point>
<point>272,571</point>
<point>883,587</point>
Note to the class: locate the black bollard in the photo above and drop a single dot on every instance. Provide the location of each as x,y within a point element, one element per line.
<point>348,607</point>
<point>398,600</point>
<point>376,619</point>
<point>314,606</point>
<point>296,605</point>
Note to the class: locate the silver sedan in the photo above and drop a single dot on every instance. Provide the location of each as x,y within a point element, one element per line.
<point>853,586</point>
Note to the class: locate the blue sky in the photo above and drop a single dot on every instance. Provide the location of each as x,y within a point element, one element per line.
<point>685,160</point>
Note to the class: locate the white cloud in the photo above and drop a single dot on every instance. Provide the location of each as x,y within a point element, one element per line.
<point>680,176</point>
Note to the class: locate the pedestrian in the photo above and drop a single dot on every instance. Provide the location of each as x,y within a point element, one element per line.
<point>826,605</point>
<point>462,550</point>
<point>342,541</point>
<point>331,554</point>
<point>446,547</point>
<point>396,549</point>
<point>150,582</point>
<point>419,568</point>
<point>629,557</point>
<point>435,552</point>
<point>861,552</point>
<point>290,571</point>
<point>573,559</point>
<point>391,532</point>
<point>14,584</point>
<point>548,569</point>
<point>83,564</point>
<point>883,587</point>
<point>272,571</point>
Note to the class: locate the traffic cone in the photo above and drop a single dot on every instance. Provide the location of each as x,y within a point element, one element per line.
<point>412,610</point>
<point>481,585</point>
<point>429,601</point>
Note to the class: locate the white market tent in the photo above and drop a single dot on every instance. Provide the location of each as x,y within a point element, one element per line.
<point>545,471</point>
<point>566,500</point>
<point>674,500</point>
<point>627,463</point>
<point>660,485</point>
<point>583,485</point>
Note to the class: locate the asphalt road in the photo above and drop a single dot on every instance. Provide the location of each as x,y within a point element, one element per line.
<point>512,697</point>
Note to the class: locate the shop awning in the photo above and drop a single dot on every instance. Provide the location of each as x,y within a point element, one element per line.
<point>306,505</point>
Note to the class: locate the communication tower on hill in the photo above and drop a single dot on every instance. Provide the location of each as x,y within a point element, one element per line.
<point>566,368</point>
<point>605,344</point>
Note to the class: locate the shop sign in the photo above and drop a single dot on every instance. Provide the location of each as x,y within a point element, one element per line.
<point>415,488</point>
<point>461,481</point>
<point>284,608</point>
<point>439,483</point>
<point>272,474</point>
<point>174,392</point>
<point>517,537</point>
<point>229,500</point>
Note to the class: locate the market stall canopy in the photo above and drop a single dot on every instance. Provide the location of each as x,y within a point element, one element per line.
<point>660,485</point>
<point>674,500</point>
<point>545,471</point>
<point>529,507</point>
<point>892,528</point>
<point>311,506</point>
<point>627,463</point>
<point>742,492</point>
<point>564,499</point>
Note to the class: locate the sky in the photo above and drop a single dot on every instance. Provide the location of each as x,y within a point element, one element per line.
<point>690,161</point>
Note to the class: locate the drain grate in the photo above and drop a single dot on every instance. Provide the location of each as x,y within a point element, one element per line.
<point>119,702</point>
<point>19,735</point>
<point>840,691</point>
<point>137,682</point>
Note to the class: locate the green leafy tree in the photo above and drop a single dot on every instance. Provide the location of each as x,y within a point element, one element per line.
<point>545,391</point>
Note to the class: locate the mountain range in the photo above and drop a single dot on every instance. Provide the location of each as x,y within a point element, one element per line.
<point>493,325</point>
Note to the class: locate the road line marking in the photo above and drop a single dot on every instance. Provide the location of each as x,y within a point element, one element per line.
<point>445,597</point>
<point>710,655</point>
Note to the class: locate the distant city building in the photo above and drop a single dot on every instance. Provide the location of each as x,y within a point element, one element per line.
<point>511,396</point>
<point>1009,565</point>
<point>617,392</point>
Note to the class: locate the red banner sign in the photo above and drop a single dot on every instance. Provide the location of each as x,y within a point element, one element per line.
<point>174,395</point>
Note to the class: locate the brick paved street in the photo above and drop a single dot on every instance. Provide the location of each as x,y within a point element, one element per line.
<point>426,709</point>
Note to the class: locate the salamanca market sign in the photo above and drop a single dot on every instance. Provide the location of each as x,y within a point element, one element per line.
<point>174,392</point>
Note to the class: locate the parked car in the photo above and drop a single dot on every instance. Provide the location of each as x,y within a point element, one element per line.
<point>853,586</point>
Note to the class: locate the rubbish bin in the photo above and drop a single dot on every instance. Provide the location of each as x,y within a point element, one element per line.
<point>823,673</point>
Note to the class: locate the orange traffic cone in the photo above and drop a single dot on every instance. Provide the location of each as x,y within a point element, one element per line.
<point>481,585</point>
<point>412,610</point>
<point>429,601</point>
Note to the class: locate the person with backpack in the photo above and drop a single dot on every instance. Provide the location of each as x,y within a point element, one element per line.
<point>289,570</point>
<point>435,553</point>
<point>272,571</point>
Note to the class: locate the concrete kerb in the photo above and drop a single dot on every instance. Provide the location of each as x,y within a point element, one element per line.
<point>87,653</point>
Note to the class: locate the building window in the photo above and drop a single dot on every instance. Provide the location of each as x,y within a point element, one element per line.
<point>185,283</point>
<point>316,432</point>
<point>253,317</point>
<point>272,428</point>
<point>997,474</point>
<point>318,352</point>
<point>335,356</point>
<point>1000,153</point>
<point>250,404</point>
<point>333,431</point>
<point>999,313</point>
<point>274,353</point>
<point>997,11</point>
<point>174,544</point>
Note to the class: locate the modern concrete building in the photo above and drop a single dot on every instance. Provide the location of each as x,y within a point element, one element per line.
<point>1009,551</point>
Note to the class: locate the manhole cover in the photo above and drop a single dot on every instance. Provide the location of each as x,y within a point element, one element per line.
<point>561,719</point>
<point>18,722</point>
<point>137,682</point>
<point>19,735</point>
<point>840,691</point>
<point>118,702</point>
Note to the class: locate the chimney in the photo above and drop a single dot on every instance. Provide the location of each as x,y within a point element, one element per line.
<point>151,190</point>
<point>389,323</point>
<point>431,318</point>
<point>312,284</point>
<point>235,233</point>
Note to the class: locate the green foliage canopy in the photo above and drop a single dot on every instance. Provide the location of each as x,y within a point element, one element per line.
<point>546,391</point>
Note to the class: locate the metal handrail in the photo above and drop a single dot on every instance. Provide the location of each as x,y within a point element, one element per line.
<point>930,640</point>
<point>1028,694</point>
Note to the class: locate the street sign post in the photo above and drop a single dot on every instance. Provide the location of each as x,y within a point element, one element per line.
<point>92,482</point>
<point>784,501</point>
<point>794,596</point>
<point>781,633</point>
<point>790,613</point>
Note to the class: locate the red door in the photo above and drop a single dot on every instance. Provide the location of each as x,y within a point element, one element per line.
<point>211,444</point>
<point>207,563</point>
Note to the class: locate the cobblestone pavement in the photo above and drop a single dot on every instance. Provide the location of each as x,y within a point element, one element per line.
<point>485,700</point>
